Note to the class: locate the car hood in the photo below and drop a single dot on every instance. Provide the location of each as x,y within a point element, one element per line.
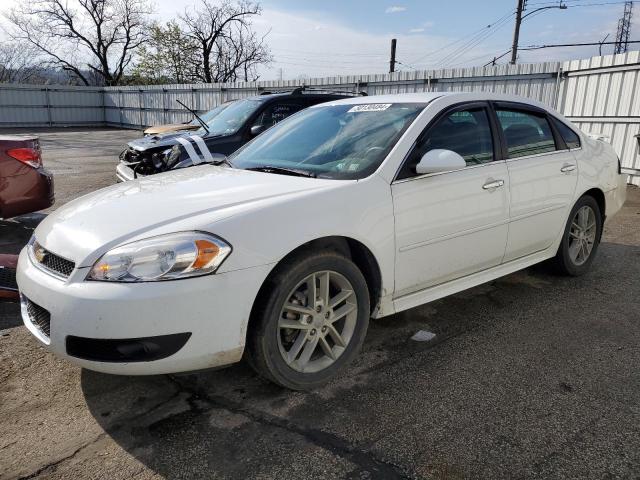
<point>85,228</point>
<point>171,127</point>
<point>157,141</point>
<point>163,141</point>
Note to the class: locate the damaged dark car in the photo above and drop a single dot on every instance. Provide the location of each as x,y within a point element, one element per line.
<point>218,137</point>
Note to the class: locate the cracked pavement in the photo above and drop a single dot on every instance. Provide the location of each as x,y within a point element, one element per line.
<point>529,376</point>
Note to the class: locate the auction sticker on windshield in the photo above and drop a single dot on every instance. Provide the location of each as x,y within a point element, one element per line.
<point>372,107</point>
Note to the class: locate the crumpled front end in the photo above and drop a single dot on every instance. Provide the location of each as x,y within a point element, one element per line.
<point>146,162</point>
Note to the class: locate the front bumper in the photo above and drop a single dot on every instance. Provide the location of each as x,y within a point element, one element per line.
<point>214,309</point>
<point>125,173</point>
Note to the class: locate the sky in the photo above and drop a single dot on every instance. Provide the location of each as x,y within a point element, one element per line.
<point>334,37</point>
<point>345,37</point>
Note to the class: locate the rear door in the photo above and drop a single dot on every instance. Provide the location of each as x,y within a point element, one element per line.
<point>451,224</point>
<point>542,176</point>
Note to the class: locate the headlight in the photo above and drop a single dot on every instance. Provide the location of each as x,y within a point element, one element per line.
<point>166,257</point>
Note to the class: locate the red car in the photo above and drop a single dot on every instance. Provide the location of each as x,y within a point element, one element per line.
<point>25,186</point>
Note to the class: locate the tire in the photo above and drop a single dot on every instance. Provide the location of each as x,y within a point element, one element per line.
<point>277,352</point>
<point>571,260</point>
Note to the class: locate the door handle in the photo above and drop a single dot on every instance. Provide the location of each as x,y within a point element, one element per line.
<point>568,167</point>
<point>491,184</point>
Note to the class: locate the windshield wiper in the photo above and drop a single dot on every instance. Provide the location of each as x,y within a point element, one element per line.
<point>222,161</point>
<point>283,171</point>
<point>195,114</point>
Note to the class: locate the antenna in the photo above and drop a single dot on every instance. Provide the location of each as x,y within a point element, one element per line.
<point>624,29</point>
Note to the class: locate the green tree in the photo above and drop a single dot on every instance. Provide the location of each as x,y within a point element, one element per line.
<point>170,56</point>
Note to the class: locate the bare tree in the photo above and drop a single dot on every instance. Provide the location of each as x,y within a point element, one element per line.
<point>98,36</point>
<point>240,53</point>
<point>17,63</point>
<point>226,43</point>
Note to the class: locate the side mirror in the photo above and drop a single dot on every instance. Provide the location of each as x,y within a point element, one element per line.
<point>257,130</point>
<point>437,160</point>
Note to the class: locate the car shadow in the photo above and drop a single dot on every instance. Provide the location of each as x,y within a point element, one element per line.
<point>14,235</point>
<point>529,333</point>
<point>233,424</point>
<point>15,232</point>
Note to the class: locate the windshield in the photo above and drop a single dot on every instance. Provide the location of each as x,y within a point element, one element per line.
<point>208,116</point>
<point>339,142</point>
<point>231,118</point>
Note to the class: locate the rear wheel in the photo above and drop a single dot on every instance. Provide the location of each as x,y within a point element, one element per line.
<point>311,321</point>
<point>581,238</point>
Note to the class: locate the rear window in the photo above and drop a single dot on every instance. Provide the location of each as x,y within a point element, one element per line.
<point>570,137</point>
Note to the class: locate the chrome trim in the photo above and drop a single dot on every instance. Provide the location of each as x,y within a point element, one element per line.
<point>545,154</point>
<point>426,175</point>
<point>44,269</point>
<point>32,327</point>
<point>494,184</point>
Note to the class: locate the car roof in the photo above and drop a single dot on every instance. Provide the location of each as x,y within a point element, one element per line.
<point>428,97</point>
<point>265,97</point>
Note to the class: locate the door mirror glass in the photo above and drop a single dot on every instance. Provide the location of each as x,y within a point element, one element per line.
<point>439,160</point>
<point>257,130</point>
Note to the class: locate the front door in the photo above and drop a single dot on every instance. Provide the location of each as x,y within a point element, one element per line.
<point>543,176</point>
<point>451,224</point>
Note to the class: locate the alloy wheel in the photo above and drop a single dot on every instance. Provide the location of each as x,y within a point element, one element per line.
<point>317,321</point>
<point>582,235</point>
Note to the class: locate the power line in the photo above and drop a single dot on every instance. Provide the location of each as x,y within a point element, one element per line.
<point>449,58</point>
<point>580,4</point>
<point>563,45</point>
<point>461,39</point>
<point>495,59</point>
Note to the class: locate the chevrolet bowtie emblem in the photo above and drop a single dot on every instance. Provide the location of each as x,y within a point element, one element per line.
<point>39,253</point>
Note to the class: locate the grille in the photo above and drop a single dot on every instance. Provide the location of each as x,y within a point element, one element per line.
<point>40,317</point>
<point>8,279</point>
<point>53,262</point>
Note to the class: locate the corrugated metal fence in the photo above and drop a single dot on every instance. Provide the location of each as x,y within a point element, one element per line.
<point>601,95</point>
<point>50,105</point>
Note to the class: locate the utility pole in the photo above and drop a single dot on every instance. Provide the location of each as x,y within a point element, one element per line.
<point>392,62</point>
<point>522,4</point>
<point>516,31</point>
<point>624,29</point>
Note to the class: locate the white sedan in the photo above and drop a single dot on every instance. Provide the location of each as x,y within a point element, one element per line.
<point>345,211</point>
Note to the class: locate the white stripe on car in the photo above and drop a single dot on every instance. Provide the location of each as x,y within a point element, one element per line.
<point>203,148</point>
<point>195,158</point>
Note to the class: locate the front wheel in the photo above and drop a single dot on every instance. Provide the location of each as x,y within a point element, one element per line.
<point>310,321</point>
<point>581,238</point>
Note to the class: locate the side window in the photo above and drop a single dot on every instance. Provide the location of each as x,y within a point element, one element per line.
<point>526,133</point>
<point>570,137</point>
<point>276,113</point>
<point>466,132</point>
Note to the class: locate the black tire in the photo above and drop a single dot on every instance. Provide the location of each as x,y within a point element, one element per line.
<point>563,261</point>
<point>263,338</point>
